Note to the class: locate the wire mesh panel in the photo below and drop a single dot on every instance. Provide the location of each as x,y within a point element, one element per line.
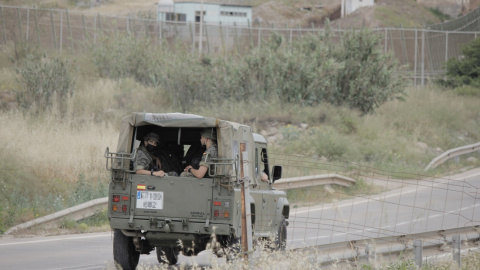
<point>423,52</point>
<point>377,206</point>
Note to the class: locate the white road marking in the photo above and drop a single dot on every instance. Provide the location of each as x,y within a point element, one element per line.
<point>56,239</point>
<point>319,208</point>
<point>389,226</point>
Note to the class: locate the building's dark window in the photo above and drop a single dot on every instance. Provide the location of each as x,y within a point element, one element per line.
<point>233,14</point>
<point>175,17</point>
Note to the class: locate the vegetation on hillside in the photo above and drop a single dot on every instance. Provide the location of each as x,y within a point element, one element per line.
<point>465,72</point>
<point>53,144</point>
<point>352,72</point>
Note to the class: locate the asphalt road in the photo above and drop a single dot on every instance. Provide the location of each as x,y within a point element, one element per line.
<point>415,207</point>
<point>412,208</point>
<point>74,252</point>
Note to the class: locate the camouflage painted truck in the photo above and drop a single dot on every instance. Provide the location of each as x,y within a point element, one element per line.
<point>148,212</point>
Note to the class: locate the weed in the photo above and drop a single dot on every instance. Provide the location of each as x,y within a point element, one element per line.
<point>44,80</point>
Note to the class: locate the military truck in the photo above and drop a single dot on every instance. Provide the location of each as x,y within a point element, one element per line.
<point>174,214</point>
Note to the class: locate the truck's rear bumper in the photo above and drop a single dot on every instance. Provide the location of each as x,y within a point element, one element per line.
<point>172,226</point>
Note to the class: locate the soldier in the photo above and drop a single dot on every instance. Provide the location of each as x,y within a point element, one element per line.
<point>145,162</point>
<point>208,138</point>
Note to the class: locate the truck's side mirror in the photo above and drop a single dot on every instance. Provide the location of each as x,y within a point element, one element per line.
<point>277,173</point>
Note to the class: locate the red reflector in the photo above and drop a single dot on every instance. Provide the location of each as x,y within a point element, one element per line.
<point>226,214</point>
<point>116,198</point>
<point>216,213</point>
<point>125,198</point>
<point>217,203</point>
<point>124,208</point>
<point>114,208</point>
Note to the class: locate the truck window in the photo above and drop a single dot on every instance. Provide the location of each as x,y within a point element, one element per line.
<point>264,164</point>
<point>256,163</point>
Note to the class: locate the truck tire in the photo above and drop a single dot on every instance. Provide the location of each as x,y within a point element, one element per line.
<point>124,253</point>
<point>168,253</point>
<point>281,237</point>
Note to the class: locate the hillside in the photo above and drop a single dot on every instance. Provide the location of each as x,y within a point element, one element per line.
<point>385,13</point>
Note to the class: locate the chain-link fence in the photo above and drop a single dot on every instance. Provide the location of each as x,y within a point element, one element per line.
<point>423,51</point>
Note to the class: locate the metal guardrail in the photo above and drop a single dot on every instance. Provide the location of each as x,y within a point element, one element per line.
<point>90,208</point>
<point>452,153</point>
<point>368,248</point>
<point>314,180</point>
<point>76,213</point>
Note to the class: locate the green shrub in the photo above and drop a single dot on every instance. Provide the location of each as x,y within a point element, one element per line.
<point>439,14</point>
<point>315,69</point>
<point>354,73</point>
<point>466,70</point>
<point>468,90</point>
<point>125,56</point>
<point>44,80</point>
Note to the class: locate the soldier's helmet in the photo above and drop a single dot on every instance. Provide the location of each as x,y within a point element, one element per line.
<point>152,136</point>
<point>209,133</point>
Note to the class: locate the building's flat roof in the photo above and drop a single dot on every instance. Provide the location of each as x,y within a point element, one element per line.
<point>212,3</point>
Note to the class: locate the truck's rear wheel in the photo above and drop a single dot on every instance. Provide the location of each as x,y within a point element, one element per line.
<point>281,237</point>
<point>124,252</point>
<point>167,255</point>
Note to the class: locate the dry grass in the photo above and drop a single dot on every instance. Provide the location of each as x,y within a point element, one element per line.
<point>55,148</point>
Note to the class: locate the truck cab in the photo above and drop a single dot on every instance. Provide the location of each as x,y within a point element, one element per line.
<point>174,214</point>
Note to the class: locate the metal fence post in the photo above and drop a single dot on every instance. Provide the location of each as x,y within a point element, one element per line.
<point>192,36</point>
<point>236,37</point>
<point>20,24</point>
<point>69,29</point>
<point>100,23</point>
<point>36,26</point>
<point>250,34</point>
<point>418,250</point>
<point>84,27</point>
<point>53,29</point>
<point>386,44</point>
<point>3,25</point>
<point>160,34</point>
<point>221,37</point>
<point>95,29</point>
<point>404,46</point>
<point>415,59</point>
<point>456,249</point>
<point>423,57</point>
<point>146,28</point>
<point>206,37</point>
<point>61,30</point>
<point>259,41</point>
<point>28,22</point>
<point>446,46</point>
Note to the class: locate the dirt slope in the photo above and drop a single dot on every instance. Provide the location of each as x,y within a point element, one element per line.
<point>389,13</point>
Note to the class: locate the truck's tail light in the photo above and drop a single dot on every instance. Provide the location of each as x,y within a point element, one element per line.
<point>114,207</point>
<point>124,208</point>
<point>226,214</point>
<point>217,203</point>
<point>116,198</point>
<point>125,198</point>
<point>216,213</point>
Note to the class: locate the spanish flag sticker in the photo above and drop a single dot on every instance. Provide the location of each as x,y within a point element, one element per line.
<point>140,187</point>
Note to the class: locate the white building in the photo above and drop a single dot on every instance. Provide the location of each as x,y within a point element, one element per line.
<point>349,6</point>
<point>213,13</point>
